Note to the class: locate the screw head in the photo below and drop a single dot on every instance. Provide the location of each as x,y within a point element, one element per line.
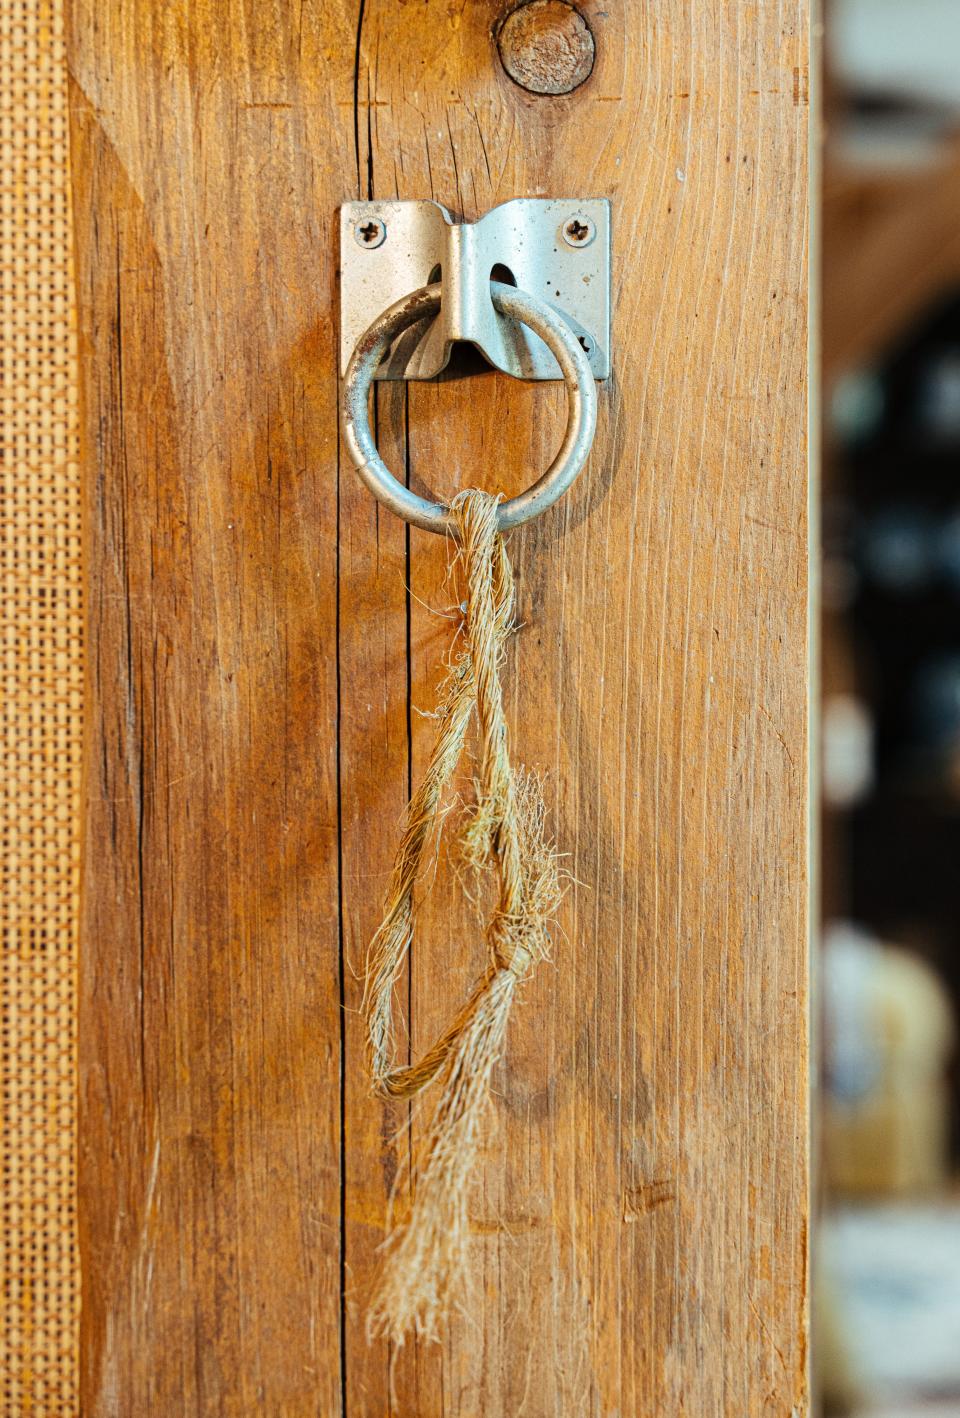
<point>578,231</point>
<point>370,233</point>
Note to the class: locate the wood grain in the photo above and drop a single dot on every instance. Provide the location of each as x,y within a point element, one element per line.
<point>264,644</point>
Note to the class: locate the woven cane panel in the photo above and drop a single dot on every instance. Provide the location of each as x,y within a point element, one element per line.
<point>40,707</point>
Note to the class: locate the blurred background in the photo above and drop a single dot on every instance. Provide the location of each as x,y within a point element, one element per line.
<point>887,1302</point>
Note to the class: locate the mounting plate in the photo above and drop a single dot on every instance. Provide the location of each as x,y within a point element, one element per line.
<point>557,249</point>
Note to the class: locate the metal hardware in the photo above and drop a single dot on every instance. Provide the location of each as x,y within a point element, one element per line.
<point>579,231</point>
<point>370,234</point>
<point>517,305</point>
<point>558,251</point>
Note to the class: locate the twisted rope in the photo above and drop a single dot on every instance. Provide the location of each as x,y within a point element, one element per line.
<point>425,1256</point>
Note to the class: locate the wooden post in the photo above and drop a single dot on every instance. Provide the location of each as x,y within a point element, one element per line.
<point>263,641</point>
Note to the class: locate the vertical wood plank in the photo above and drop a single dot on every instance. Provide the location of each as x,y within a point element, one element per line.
<point>640,1224</point>
<point>212,144</point>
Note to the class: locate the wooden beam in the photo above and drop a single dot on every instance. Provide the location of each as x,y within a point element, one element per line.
<point>264,642</point>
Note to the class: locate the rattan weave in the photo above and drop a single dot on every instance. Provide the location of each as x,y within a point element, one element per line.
<point>40,720</point>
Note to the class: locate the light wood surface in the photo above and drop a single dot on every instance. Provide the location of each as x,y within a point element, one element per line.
<point>264,644</point>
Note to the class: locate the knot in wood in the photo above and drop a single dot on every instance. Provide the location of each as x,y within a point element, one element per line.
<point>546,47</point>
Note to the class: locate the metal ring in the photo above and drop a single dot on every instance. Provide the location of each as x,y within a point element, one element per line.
<point>581,418</point>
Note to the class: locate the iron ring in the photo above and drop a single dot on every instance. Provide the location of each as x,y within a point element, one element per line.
<point>581,416</point>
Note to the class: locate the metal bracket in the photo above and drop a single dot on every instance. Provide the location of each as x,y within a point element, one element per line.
<point>558,250</point>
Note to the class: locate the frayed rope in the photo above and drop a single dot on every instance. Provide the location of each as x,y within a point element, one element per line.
<point>425,1256</point>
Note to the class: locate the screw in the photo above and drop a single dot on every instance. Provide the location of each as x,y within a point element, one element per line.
<point>579,231</point>
<point>370,234</point>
